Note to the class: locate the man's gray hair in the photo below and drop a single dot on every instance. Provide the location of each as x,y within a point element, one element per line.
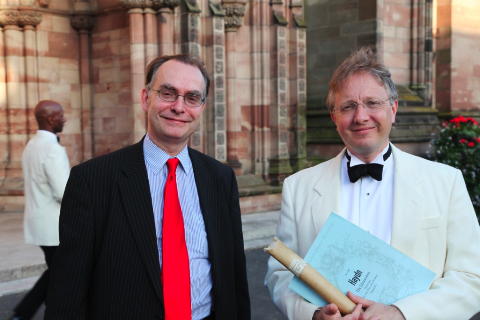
<point>363,59</point>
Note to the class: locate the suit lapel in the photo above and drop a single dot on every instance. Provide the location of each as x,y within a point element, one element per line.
<point>326,192</point>
<point>406,203</point>
<point>207,195</point>
<point>136,199</point>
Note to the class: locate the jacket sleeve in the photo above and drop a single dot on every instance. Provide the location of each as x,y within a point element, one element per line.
<point>70,275</point>
<point>57,170</point>
<point>241,284</point>
<point>278,277</point>
<point>456,293</point>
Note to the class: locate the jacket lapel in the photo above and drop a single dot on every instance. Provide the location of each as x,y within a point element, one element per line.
<point>207,195</point>
<point>327,192</point>
<point>136,199</point>
<point>406,203</point>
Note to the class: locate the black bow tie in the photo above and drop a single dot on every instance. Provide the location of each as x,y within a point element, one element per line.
<point>373,170</point>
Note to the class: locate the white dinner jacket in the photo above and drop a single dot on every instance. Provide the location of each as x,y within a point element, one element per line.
<point>45,171</point>
<point>433,222</point>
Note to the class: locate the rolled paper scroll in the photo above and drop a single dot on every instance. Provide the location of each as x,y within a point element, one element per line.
<point>309,275</point>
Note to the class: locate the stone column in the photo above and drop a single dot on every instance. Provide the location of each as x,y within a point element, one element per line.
<point>166,25</point>
<point>298,84</point>
<point>218,84</point>
<point>83,22</point>
<point>428,53</point>
<point>279,161</point>
<point>151,37</point>
<point>18,72</point>
<point>191,44</point>
<point>31,73</point>
<point>137,63</point>
<point>234,10</point>
<point>421,51</point>
<point>4,137</point>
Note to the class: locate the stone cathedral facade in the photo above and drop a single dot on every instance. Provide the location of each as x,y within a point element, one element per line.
<point>269,60</point>
<point>91,57</point>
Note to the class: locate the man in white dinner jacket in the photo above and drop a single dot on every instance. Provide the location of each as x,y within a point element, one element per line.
<point>46,169</point>
<point>419,207</point>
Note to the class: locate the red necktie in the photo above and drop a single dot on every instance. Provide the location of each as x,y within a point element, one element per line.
<point>175,265</point>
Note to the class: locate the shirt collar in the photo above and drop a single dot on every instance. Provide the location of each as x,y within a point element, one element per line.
<point>156,157</point>
<point>378,159</point>
<point>47,134</point>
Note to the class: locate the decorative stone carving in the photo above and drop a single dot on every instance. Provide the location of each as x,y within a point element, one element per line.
<point>192,6</point>
<point>299,20</point>
<point>171,4</point>
<point>82,22</point>
<point>132,4</point>
<point>20,18</point>
<point>217,9</point>
<point>296,4</point>
<point>43,3</point>
<point>234,12</point>
<point>27,3</point>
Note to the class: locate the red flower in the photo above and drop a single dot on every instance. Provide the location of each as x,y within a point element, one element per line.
<point>471,144</point>
<point>463,140</point>
<point>472,121</point>
<point>478,139</point>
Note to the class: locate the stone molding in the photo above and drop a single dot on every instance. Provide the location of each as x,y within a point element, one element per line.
<point>20,18</point>
<point>234,12</point>
<point>82,22</point>
<point>43,3</point>
<point>296,4</point>
<point>133,4</point>
<point>160,4</point>
<point>217,9</point>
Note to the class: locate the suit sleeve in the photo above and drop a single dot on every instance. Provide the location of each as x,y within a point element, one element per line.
<point>278,277</point>
<point>456,293</point>
<point>241,284</point>
<point>70,276</point>
<point>57,169</point>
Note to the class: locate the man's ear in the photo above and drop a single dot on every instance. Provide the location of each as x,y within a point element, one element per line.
<point>332,115</point>
<point>144,99</point>
<point>394,110</point>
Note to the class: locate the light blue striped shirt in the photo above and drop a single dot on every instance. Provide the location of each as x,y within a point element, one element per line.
<point>195,234</point>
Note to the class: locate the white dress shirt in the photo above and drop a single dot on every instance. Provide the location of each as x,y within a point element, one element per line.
<point>368,203</point>
<point>45,170</point>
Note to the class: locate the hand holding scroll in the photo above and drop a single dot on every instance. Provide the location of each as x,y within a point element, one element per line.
<point>310,276</point>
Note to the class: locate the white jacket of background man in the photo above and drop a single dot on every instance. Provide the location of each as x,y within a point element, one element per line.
<point>45,170</point>
<point>433,223</point>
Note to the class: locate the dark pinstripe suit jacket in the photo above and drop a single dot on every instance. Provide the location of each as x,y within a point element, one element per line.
<point>107,263</point>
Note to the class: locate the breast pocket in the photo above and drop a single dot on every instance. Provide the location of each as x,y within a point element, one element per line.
<point>434,237</point>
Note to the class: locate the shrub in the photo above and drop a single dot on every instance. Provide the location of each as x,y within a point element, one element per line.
<point>458,144</point>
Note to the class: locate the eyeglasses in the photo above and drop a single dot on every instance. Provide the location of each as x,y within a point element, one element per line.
<point>371,106</point>
<point>191,99</point>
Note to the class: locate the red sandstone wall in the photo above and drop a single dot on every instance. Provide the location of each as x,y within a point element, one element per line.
<point>112,103</point>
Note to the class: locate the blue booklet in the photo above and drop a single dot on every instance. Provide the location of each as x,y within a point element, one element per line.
<point>354,260</point>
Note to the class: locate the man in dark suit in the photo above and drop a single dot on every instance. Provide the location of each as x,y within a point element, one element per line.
<point>115,259</point>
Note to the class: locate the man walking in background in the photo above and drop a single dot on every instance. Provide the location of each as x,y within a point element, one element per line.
<point>45,170</point>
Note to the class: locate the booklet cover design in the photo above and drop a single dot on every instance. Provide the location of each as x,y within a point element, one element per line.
<point>354,260</point>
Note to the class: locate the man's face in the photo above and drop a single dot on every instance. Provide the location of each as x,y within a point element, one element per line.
<point>364,131</point>
<point>171,123</point>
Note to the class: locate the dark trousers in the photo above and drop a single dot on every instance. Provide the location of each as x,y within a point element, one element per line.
<point>36,296</point>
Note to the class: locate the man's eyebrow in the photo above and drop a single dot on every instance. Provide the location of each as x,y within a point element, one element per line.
<point>168,86</point>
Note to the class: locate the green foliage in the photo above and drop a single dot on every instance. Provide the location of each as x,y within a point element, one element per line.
<point>458,145</point>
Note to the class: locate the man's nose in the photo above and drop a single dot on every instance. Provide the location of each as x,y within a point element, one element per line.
<point>178,106</point>
<point>361,113</point>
